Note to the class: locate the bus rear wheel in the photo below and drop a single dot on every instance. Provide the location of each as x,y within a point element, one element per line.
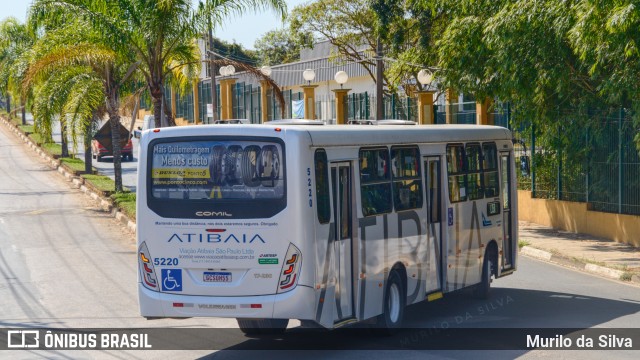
<point>483,289</point>
<point>390,320</point>
<point>262,326</point>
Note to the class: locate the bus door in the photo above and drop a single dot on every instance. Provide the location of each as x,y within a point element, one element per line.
<point>506,189</point>
<point>433,188</point>
<point>341,185</point>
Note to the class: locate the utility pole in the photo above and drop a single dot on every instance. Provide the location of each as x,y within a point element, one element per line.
<point>212,73</point>
<point>379,82</point>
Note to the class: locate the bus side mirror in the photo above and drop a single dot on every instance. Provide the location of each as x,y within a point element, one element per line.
<point>524,165</point>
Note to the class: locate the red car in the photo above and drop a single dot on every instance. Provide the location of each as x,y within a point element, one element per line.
<point>100,151</point>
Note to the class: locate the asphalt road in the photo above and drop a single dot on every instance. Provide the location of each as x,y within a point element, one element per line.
<point>65,264</point>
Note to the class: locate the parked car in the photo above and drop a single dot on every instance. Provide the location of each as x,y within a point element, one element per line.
<point>100,151</point>
<point>101,145</point>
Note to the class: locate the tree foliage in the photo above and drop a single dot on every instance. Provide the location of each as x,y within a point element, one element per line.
<point>281,46</point>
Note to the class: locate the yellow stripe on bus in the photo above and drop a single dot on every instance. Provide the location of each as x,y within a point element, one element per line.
<point>434,296</point>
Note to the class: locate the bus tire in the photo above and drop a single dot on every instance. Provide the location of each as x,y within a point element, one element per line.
<point>262,326</point>
<point>483,289</point>
<point>390,320</point>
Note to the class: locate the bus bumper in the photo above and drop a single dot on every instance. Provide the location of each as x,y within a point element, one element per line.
<point>298,303</point>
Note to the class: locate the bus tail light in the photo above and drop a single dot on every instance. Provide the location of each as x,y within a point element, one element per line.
<point>290,269</point>
<point>147,272</point>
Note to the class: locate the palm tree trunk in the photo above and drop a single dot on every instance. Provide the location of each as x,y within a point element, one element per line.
<point>88,156</point>
<point>157,99</point>
<point>63,134</point>
<point>114,122</point>
<point>24,112</point>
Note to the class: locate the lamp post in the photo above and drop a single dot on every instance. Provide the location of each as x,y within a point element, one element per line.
<point>309,94</point>
<point>426,113</point>
<point>341,78</point>
<point>225,91</point>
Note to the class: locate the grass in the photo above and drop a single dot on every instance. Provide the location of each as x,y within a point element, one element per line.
<point>126,201</point>
<point>523,243</point>
<point>36,138</point>
<point>74,164</point>
<point>26,128</point>
<point>53,148</point>
<point>101,182</point>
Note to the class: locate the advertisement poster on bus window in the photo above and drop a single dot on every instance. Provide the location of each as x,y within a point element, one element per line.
<point>231,170</point>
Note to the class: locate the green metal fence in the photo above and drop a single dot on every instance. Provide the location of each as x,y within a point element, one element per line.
<point>184,105</point>
<point>586,157</point>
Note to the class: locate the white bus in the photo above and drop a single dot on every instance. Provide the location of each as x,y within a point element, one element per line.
<point>331,224</point>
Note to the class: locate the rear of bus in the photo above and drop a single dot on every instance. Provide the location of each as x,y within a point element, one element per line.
<point>215,236</point>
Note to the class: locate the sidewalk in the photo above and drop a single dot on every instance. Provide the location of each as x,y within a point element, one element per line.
<point>584,252</point>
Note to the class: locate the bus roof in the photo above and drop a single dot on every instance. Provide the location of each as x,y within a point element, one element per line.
<point>341,135</point>
<point>335,135</point>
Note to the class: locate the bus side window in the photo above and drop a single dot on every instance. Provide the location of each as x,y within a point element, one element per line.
<point>457,167</point>
<point>490,164</point>
<point>407,186</point>
<point>322,186</point>
<point>375,181</point>
<point>475,188</point>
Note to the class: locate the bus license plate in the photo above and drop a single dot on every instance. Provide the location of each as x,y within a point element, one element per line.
<point>217,277</point>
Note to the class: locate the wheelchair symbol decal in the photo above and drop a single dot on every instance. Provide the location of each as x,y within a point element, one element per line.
<point>171,279</point>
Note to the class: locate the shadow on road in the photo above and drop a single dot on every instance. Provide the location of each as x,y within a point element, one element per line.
<point>455,323</point>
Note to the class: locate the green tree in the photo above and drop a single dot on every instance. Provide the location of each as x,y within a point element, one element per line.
<point>348,25</point>
<point>517,51</point>
<point>15,41</point>
<point>605,35</point>
<point>161,34</point>
<point>408,29</point>
<point>76,74</point>
<point>281,46</point>
<point>235,51</point>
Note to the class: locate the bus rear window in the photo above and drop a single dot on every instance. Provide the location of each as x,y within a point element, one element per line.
<point>211,169</point>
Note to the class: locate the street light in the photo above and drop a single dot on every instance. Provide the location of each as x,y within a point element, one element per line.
<point>228,70</point>
<point>309,75</point>
<point>341,78</point>
<point>266,70</point>
<point>425,77</point>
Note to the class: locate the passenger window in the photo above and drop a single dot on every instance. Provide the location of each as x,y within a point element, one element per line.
<point>407,185</point>
<point>456,168</point>
<point>322,186</point>
<point>490,164</point>
<point>474,169</point>
<point>375,181</point>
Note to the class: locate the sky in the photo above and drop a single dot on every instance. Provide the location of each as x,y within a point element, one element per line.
<point>244,30</point>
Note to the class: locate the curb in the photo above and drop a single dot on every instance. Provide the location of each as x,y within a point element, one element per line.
<point>557,259</point>
<point>76,182</point>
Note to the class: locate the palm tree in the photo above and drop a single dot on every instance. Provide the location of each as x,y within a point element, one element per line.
<point>15,40</point>
<point>161,34</point>
<point>78,76</point>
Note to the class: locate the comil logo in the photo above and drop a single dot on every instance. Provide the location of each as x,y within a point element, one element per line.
<point>23,339</point>
<point>213,213</point>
